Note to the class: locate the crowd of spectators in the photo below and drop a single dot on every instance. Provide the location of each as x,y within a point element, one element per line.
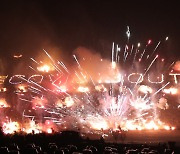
<point>69,142</point>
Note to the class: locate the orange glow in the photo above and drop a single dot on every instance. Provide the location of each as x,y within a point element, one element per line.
<point>49,130</point>
<point>145,89</point>
<point>176,67</point>
<point>151,125</point>
<point>59,103</point>
<point>31,126</point>
<point>113,65</point>
<point>167,127</point>
<point>62,88</point>
<point>99,124</point>
<point>171,90</point>
<point>2,79</point>
<point>69,101</point>
<point>3,89</point>
<point>100,88</point>
<point>3,103</point>
<point>39,102</point>
<point>83,89</point>
<point>21,88</point>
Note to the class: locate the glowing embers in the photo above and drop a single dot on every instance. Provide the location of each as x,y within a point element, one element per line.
<point>3,103</point>
<point>45,68</point>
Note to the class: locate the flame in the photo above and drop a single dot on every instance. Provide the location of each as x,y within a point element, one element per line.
<point>151,125</point>
<point>99,124</point>
<point>31,126</point>
<point>44,68</point>
<point>11,127</point>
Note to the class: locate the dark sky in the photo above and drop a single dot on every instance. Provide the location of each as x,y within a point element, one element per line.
<point>29,26</point>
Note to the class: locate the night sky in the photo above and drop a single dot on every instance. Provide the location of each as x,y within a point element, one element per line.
<point>27,27</point>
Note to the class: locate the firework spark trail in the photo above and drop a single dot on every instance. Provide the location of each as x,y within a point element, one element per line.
<point>63,66</point>
<point>130,91</point>
<point>171,65</point>
<point>32,76</point>
<point>134,57</point>
<point>143,54</point>
<point>121,103</point>
<point>77,61</point>
<point>161,88</point>
<point>128,33</point>
<point>92,80</point>
<point>156,48</point>
<point>118,49</point>
<point>25,100</point>
<point>31,87</point>
<point>149,42</point>
<point>54,64</point>
<point>132,47</point>
<point>126,56</point>
<point>33,83</point>
<point>34,60</point>
<point>127,106</point>
<point>78,76</point>
<point>32,68</point>
<point>112,55</point>
<point>147,69</point>
<point>36,92</point>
